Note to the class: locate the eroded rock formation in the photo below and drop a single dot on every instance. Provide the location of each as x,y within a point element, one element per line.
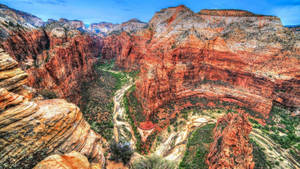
<point>105,28</point>
<point>57,57</point>
<point>12,19</point>
<point>32,128</point>
<point>228,56</point>
<point>73,160</point>
<point>231,147</point>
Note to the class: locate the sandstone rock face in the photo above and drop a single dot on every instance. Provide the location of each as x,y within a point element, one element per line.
<point>10,18</point>
<point>69,24</point>
<point>12,77</point>
<point>296,30</point>
<point>73,160</point>
<point>130,26</point>
<point>105,28</point>
<point>114,45</point>
<point>102,28</point>
<point>57,57</point>
<point>226,12</point>
<point>231,56</point>
<point>39,127</point>
<point>231,147</point>
<point>65,67</point>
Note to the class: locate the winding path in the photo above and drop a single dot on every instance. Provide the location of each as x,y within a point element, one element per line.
<point>274,150</point>
<point>122,127</point>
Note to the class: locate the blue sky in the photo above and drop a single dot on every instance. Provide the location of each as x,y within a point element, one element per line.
<point>118,11</point>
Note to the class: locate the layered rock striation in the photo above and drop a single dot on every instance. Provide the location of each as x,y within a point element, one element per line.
<point>231,147</point>
<point>12,19</point>
<point>57,57</point>
<point>230,56</point>
<point>71,160</point>
<point>34,128</point>
<point>105,28</point>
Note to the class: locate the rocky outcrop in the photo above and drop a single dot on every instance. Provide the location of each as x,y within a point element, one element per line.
<point>64,68</point>
<point>73,160</point>
<point>12,19</point>
<point>68,24</point>
<point>104,28</point>
<point>226,12</point>
<point>57,57</point>
<point>12,77</point>
<point>130,26</point>
<point>296,30</point>
<point>230,56</point>
<point>32,129</point>
<point>231,147</point>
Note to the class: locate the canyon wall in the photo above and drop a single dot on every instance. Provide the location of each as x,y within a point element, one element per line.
<point>228,56</point>
<point>32,128</point>
<point>105,28</point>
<point>58,57</point>
<point>231,147</point>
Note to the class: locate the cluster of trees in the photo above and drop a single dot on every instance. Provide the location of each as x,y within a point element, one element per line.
<point>120,152</point>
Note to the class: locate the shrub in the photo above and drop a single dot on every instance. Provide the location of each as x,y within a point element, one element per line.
<point>152,162</point>
<point>197,149</point>
<point>169,129</point>
<point>259,157</point>
<point>48,94</point>
<point>103,127</point>
<point>120,152</point>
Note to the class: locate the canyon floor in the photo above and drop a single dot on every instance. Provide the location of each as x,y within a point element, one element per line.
<point>173,142</point>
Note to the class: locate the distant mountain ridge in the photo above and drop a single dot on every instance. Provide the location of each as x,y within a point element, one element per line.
<point>10,18</point>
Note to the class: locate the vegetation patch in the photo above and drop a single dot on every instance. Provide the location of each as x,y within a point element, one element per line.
<point>134,112</point>
<point>135,106</point>
<point>131,117</point>
<point>97,97</point>
<point>48,94</point>
<point>120,152</point>
<point>281,127</point>
<point>259,157</point>
<point>197,148</point>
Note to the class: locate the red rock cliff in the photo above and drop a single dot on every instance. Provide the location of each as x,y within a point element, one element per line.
<point>33,128</point>
<point>55,58</point>
<point>231,147</point>
<point>250,61</point>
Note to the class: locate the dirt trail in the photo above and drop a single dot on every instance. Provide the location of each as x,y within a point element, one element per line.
<point>119,116</point>
<point>274,151</point>
<point>173,144</point>
<point>122,129</point>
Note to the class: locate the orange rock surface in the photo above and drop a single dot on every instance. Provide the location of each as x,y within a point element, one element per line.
<point>231,147</point>
<point>73,160</point>
<point>32,128</point>
<point>55,58</point>
<point>251,61</point>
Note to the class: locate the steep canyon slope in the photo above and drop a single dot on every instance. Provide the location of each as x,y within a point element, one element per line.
<point>32,128</point>
<point>225,56</point>
<point>228,59</point>
<point>57,57</point>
